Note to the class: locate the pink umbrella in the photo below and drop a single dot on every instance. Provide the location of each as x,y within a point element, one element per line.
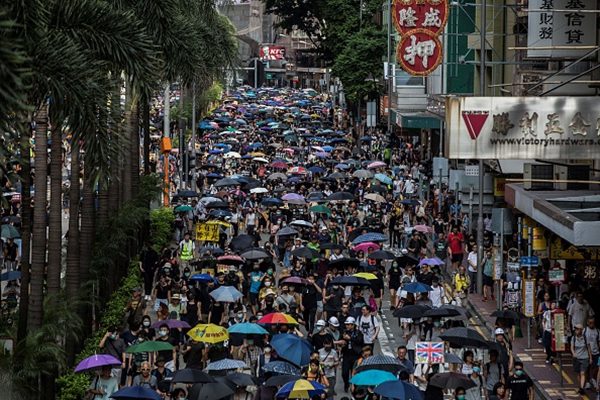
<point>376,164</point>
<point>288,150</point>
<point>279,165</point>
<point>297,170</point>
<point>364,247</point>
<point>292,196</point>
<point>423,228</point>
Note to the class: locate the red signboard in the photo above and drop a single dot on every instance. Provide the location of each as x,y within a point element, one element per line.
<point>419,52</point>
<point>271,53</point>
<point>430,15</point>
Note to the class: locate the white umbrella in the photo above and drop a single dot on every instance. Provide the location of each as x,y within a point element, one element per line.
<point>301,222</point>
<point>259,190</point>
<point>375,197</point>
<point>232,154</point>
<point>260,159</point>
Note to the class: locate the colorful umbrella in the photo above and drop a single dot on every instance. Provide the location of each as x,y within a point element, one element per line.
<point>226,294</point>
<point>300,389</point>
<point>383,178</point>
<point>281,367</point>
<point>292,348</point>
<point>321,209</point>
<point>171,323</point>
<point>149,347</point>
<point>277,318</point>
<point>372,377</point>
<point>376,164</point>
<point>370,237</point>
<point>208,333</point>
<point>416,287</point>
<point>423,228</point>
<point>96,361</point>
<point>431,261</point>
<point>366,275</point>
<point>202,278</point>
<point>366,246</point>
<point>248,328</point>
<point>380,362</point>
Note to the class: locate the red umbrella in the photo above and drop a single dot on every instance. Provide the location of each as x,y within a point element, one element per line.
<point>279,165</point>
<point>364,247</point>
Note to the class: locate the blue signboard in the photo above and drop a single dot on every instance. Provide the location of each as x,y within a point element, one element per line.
<point>532,261</point>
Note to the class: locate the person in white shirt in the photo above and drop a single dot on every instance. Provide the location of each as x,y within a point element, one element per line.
<point>472,268</point>
<point>437,294</point>
<point>368,324</point>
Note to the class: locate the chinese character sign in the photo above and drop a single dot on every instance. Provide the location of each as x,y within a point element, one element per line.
<point>430,15</point>
<point>419,52</point>
<point>429,352</point>
<point>207,232</point>
<point>272,53</point>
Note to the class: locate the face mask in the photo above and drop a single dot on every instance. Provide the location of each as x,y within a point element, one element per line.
<point>519,372</point>
<point>436,324</point>
<point>162,333</point>
<point>476,369</point>
<point>146,323</point>
<point>319,328</point>
<point>186,274</point>
<point>270,271</point>
<point>113,336</point>
<point>336,287</point>
<point>240,315</point>
<point>267,284</point>
<point>460,397</point>
<point>267,350</point>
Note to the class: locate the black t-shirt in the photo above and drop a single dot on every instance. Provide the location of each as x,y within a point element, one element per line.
<point>519,386</point>
<point>149,259</point>
<point>318,340</point>
<point>167,354</point>
<point>309,297</point>
<point>216,313</point>
<point>162,292</point>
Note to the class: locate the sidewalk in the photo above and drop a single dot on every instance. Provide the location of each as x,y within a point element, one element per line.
<point>546,377</point>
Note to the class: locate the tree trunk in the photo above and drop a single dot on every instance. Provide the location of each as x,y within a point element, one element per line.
<point>86,240</point>
<point>102,205</point>
<point>146,127</point>
<point>127,145</point>
<point>26,215</point>
<point>38,247</point>
<point>55,216</point>
<point>134,137</point>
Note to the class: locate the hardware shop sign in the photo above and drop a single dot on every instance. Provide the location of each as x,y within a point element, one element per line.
<point>505,128</point>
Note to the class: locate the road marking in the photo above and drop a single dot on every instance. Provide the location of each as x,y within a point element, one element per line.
<point>566,377</point>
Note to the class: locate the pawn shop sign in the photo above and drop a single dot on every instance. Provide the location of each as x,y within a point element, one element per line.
<point>419,52</point>
<point>430,15</point>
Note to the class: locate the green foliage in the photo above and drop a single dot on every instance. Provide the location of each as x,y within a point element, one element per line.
<point>72,386</point>
<point>360,62</point>
<point>161,227</point>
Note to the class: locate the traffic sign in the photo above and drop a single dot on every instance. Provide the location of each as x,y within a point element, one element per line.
<point>529,261</point>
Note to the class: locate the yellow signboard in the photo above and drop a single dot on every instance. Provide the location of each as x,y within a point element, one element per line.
<point>207,232</point>
<point>562,250</point>
<point>558,332</point>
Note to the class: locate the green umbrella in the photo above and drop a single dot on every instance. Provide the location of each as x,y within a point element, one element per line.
<point>320,209</point>
<point>148,347</point>
<point>183,208</point>
<point>9,232</point>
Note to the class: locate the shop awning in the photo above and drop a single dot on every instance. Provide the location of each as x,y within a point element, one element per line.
<point>415,120</point>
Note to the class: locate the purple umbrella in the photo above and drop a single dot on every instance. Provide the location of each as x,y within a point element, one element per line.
<point>171,323</point>
<point>431,261</point>
<point>292,196</point>
<point>96,361</point>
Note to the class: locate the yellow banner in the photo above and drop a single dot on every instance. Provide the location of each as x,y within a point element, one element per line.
<point>562,250</point>
<point>207,232</point>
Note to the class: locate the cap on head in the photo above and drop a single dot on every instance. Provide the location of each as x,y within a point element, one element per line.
<point>321,323</point>
<point>350,320</point>
<point>578,326</point>
<point>334,322</point>
<point>499,331</point>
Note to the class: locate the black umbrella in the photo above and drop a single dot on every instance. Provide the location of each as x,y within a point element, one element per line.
<point>507,314</point>
<point>338,196</point>
<point>382,255</point>
<point>280,380</point>
<point>465,337</point>
<point>186,193</point>
<point>190,375</point>
<point>305,252</point>
<point>463,313</point>
<point>217,204</point>
<point>349,281</point>
<point>226,182</point>
<point>210,391</point>
<point>413,311</point>
<point>241,380</point>
<point>381,362</point>
<point>441,312</point>
<point>287,231</point>
<point>255,254</point>
<point>242,242</point>
<point>343,263</point>
<point>451,380</point>
<point>378,189</point>
<point>332,246</point>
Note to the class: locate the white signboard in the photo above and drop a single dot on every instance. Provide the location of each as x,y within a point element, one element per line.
<point>529,298</point>
<point>549,128</point>
<point>471,170</point>
<point>556,28</point>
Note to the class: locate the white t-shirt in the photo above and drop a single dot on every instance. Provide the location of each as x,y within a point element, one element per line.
<point>368,326</point>
<point>436,296</point>
<point>472,259</point>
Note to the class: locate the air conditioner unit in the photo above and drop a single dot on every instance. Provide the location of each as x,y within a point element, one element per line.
<point>560,175</point>
<point>534,172</point>
<point>578,177</point>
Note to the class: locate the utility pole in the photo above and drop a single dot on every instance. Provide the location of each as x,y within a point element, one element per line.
<point>193,146</point>
<point>166,143</point>
<point>482,60</point>
<point>389,69</point>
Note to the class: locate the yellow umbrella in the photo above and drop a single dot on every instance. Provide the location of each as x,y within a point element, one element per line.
<point>366,275</point>
<point>208,333</point>
<point>258,154</point>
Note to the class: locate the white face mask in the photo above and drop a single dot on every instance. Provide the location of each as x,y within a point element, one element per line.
<point>163,333</point>
<point>146,323</point>
<point>267,284</point>
<point>240,315</point>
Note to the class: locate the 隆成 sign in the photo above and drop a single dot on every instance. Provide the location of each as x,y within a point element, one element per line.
<point>561,28</point>
<point>429,15</point>
<point>505,128</point>
<point>271,53</point>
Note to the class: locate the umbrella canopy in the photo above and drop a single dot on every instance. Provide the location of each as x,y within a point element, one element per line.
<point>292,348</point>
<point>226,182</point>
<point>225,364</point>
<point>187,193</point>
<point>414,311</point>
<point>226,294</point>
<point>277,175</point>
<point>302,223</point>
<point>375,197</point>
<point>248,328</point>
<point>272,202</point>
<point>383,178</point>
<point>376,164</point>
<point>366,275</point>
<point>241,242</point>
<point>320,209</point>
<point>382,255</point>
<point>280,380</point>
<point>362,174</point>
<point>370,237</point>
<point>382,363</point>
<point>230,259</point>
<point>208,333</point>
<point>10,276</point>
<point>183,208</point>
<point>210,391</point>
<point>8,231</point>
<point>294,280</point>
<point>423,228</point>
<point>451,380</point>
<point>202,278</point>
<point>292,196</point>
<point>96,361</point>
<point>277,318</point>
<point>451,358</point>
<point>281,367</point>
<point>399,390</point>
<point>304,252</point>
<point>416,287</point>
<point>300,389</point>
<point>441,312</point>
<point>464,337</point>
<point>287,231</point>
<point>366,246</point>
<point>191,375</point>
<point>431,261</point>
<point>340,196</point>
<point>239,379</point>
<point>255,254</point>
<point>349,281</point>
<point>372,377</point>
<point>149,347</point>
<point>171,323</point>
<point>136,392</point>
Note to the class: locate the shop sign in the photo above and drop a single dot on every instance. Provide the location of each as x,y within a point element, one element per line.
<point>271,53</point>
<point>556,275</point>
<point>529,297</point>
<point>559,336</point>
<point>499,185</point>
<point>505,128</point>
<point>562,250</point>
<point>429,15</point>
<point>560,28</point>
<point>497,264</point>
<point>419,52</point>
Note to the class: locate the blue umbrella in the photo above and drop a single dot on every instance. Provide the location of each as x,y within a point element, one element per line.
<point>398,390</point>
<point>366,139</point>
<point>136,392</point>
<point>417,287</point>
<point>248,328</point>
<point>342,166</point>
<point>370,237</point>
<point>372,377</point>
<point>292,348</point>
<point>225,364</point>
<point>9,232</point>
<point>281,367</point>
<point>226,294</point>
<point>10,276</point>
<point>383,179</point>
<point>316,170</point>
<point>300,389</point>
<point>202,278</point>
<point>327,148</point>
<point>272,201</point>
<point>215,151</point>
<point>214,175</point>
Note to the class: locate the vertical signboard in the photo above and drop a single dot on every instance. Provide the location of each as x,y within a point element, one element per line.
<point>559,337</point>
<point>529,297</point>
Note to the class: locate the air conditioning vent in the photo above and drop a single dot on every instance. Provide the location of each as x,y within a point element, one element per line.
<point>534,172</point>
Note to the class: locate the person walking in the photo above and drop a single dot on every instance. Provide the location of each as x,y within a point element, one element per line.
<point>582,356</point>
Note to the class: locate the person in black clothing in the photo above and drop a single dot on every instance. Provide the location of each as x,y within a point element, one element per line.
<point>321,335</point>
<point>352,342</point>
<point>148,264</point>
<point>309,302</point>
<point>192,355</point>
<point>394,275</point>
<point>215,313</point>
<point>519,385</point>
<point>170,356</point>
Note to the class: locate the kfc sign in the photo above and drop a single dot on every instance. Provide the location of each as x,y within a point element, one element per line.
<point>272,53</point>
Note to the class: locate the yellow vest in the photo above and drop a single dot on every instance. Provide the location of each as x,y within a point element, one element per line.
<point>187,250</point>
